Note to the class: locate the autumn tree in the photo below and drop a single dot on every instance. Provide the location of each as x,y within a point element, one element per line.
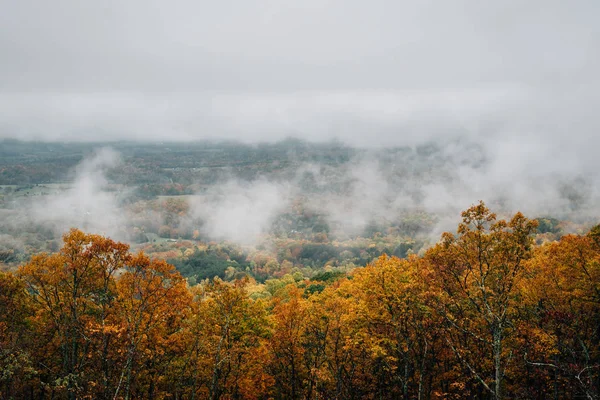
<point>227,348</point>
<point>336,342</point>
<point>400,331</point>
<point>562,338</point>
<point>477,271</point>
<point>152,304</point>
<point>16,364</point>
<point>287,345</point>
<point>73,292</point>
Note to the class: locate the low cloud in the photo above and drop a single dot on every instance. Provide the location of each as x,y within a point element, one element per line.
<point>240,211</point>
<point>89,202</point>
<point>382,187</point>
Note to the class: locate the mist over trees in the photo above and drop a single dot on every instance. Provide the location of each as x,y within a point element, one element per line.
<point>294,270</point>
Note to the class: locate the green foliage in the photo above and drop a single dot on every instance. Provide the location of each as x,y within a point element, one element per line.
<point>548,225</point>
<point>314,288</point>
<point>202,265</point>
<point>328,276</point>
<point>319,253</point>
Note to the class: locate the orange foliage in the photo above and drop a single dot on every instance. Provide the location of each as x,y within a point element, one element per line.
<point>484,314</point>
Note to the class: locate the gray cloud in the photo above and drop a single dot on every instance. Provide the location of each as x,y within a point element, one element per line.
<point>240,211</point>
<point>290,45</point>
<point>265,69</point>
<point>516,80</point>
<point>88,203</point>
<point>387,187</point>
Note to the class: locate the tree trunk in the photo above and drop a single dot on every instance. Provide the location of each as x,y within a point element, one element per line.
<point>498,373</point>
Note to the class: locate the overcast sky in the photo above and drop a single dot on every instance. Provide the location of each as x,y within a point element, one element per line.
<point>361,71</point>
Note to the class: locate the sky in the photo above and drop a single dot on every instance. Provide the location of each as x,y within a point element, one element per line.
<point>518,79</point>
<point>378,72</point>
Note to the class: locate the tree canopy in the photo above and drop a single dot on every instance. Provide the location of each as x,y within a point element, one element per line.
<point>484,313</point>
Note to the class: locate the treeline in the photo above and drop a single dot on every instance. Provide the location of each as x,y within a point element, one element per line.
<point>485,313</point>
<point>153,167</point>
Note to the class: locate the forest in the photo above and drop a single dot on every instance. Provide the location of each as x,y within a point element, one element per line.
<point>292,270</point>
<point>483,313</point>
<point>299,200</point>
<point>265,210</point>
